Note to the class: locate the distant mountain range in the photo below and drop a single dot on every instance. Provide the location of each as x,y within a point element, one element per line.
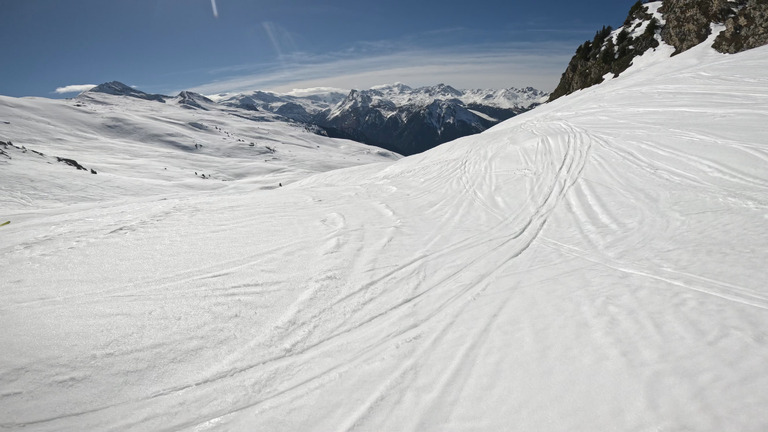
<point>395,117</point>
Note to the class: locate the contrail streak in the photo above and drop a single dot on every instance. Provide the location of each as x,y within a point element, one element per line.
<point>215,10</point>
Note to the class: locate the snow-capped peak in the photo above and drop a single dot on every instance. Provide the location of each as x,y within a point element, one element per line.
<point>396,88</point>
<point>190,99</point>
<point>116,88</point>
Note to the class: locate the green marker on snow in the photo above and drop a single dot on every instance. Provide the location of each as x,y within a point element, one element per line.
<point>5,223</point>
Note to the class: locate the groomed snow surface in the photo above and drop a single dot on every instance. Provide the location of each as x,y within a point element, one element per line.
<point>596,264</point>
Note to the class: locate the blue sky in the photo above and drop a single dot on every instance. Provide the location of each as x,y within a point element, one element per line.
<point>164,46</point>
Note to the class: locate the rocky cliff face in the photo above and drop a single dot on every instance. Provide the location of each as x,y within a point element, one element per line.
<point>688,21</point>
<point>682,24</point>
<point>610,52</point>
<point>746,29</point>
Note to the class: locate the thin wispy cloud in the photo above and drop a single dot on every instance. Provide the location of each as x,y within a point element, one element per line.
<point>473,66</point>
<point>281,39</point>
<point>75,88</point>
<point>215,9</point>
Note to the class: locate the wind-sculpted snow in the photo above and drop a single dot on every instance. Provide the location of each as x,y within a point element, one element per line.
<point>595,264</point>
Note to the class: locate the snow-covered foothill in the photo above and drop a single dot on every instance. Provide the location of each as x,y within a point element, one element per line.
<point>144,147</point>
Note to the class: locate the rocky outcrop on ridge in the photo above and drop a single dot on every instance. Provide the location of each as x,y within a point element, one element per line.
<point>688,21</point>
<point>746,29</point>
<point>610,52</point>
<point>682,24</point>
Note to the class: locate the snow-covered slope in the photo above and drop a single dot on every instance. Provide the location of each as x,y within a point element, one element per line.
<point>300,107</point>
<point>138,147</point>
<point>595,264</point>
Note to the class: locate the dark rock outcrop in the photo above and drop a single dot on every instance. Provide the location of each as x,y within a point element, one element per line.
<point>609,53</point>
<point>687,24</point>
<point>746,29</point>
<point>72,163</point>
<point>688,21</point>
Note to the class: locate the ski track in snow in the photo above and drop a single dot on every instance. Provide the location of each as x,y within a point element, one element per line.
<point>595,264</point>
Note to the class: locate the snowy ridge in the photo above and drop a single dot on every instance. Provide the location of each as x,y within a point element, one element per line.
<point>191,100</point>
<point>397,96</point>
<point>140,146</point>
<point>596,264</point>
<point>389,98</point>
<point>637,27</point>
<point>310,102</point>
<point>117,88</point>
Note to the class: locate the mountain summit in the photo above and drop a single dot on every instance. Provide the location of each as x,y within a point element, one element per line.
<point>117,88</point>
<point>192,100</point>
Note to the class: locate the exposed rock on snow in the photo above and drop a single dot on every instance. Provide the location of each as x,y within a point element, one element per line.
<point>682,24</point>
<point>745,29</point>
<point>689,22</point>
<point>72,163</point>
<point>611,52</point>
